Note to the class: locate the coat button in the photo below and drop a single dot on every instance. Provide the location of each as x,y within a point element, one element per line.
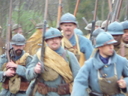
<point>106,66</point>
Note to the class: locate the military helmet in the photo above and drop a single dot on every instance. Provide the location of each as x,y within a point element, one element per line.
<point>115,28</point>
<point>104,38</point>
<point>15,26</point>
<point>88,27</point>
<point>78,31</point>
<point>18,39</point>
<point>98,23</point>
<point>125,25</point>
<point>52,33</point>
<point>40,25</point>
<point>104,24</point>
<point>68,18</point>
<point>96,32</point>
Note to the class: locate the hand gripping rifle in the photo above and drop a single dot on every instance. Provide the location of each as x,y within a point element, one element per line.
<point>31,87</point>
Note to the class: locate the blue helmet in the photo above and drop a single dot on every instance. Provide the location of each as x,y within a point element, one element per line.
<point>52,33</point>
<point>18,39</point>
<point>104,38</point>
<point>78,31</point>
<point>115,28</point>
<point>68,18</point>
<point>125,25</point>
<point>96,32</point>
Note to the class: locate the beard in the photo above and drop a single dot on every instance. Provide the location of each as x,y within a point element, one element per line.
<point>18,52</point>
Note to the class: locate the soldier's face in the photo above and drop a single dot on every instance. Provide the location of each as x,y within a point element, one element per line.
<point>125,36</point>
<point>118,39</point>
<point>68,28</point>
<point>18,30</point>
<point>54,43</point>
<point>18,49</point>
<point>106,50</point>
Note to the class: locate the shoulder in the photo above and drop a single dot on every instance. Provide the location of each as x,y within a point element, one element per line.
<point>83,38</point>
<point>70,54</point>
<point>2,56</point>
<point>88,64</point>
<point>121,60</point>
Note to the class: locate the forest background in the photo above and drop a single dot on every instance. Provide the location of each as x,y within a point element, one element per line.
<point>28,13</point>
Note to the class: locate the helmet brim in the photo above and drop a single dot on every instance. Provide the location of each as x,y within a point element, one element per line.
<point>107,43</point>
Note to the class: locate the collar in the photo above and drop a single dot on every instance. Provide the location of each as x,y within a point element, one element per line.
<point>99,64</point>
<point>59,51</point>
<point>18,57</point>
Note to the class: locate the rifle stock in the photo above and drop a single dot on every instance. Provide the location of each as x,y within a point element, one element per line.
<point>59,13</point>
<point>76,8</point>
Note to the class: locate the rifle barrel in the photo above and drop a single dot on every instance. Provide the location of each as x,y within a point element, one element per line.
<point>8,34</point>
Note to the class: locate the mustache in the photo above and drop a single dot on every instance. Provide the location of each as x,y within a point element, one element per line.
<point>68,30</point>
<point>54,43</point>
<point>18,50</point>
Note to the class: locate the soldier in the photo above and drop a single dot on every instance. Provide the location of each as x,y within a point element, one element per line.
<point>12,73</point>
<point>79,45</point>
<point>62,67</point>
<point>34,42</point>
<point>125,39</point>
<point>116,30</point>
<point>102,73</point>
<point>104,24</point>
<point>78,32</point>
<point>16,28</point>
<point>88,27</point>
<point>98,24</point>
<point>95,34</point>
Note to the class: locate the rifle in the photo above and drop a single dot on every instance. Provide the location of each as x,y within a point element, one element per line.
<point>76,8</point>
<point>94,18</point>
<point>126,15</point>
<point>115,10</point>
<point>110,5</point>
<point>31,87</point>
<point>59,13</point>
<point>85,20</point>
<point>8,34</point>
<point>118,11</point>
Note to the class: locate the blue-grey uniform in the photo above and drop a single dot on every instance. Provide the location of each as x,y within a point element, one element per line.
<point>68,56</point>
<point>85,45</point>
<point>20,71</point>
<point>89,75</point>
<point>30,74</point>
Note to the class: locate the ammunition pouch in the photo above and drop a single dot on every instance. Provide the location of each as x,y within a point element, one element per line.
<point>62,89</point>
<point>109,85</point>
<point>23,85</point>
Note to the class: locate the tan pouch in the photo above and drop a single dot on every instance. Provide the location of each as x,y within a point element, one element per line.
<point>49,74</point>
<point>14,84</point>
<point>109,86</point>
